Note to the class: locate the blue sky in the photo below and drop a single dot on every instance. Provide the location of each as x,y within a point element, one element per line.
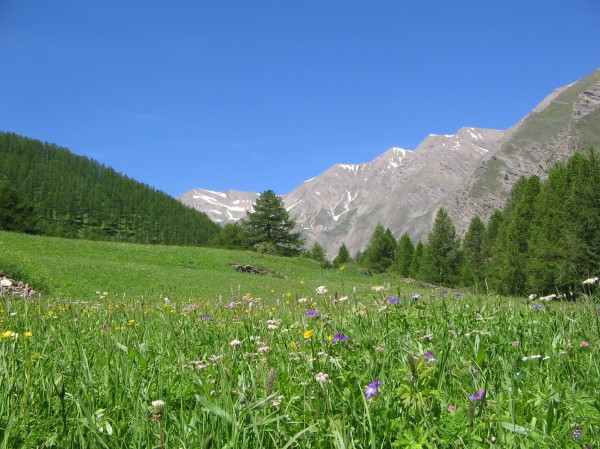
<point>263,94</point>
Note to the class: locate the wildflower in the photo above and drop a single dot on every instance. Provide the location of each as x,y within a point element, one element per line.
<point>342,268</point>
<point>479,395</point>
<point>207,317</point>
<point>538,307</point>
<point>372,389</point>
<point>308,334</point>
<point>167,302</point>
<point>451,408</point>
<point>190,308</point>
<point>6,334</point>
<point>321,290</point>
<point>272,327</point>
<point>416,296</point>
<point>263,349</point>
<point>322,378</point>
<point>131,323</point>
<point>232,304</point>
<point>288,295</point>
<point>428,354</point>
<point>293,345</point>
<point>235,342</point>
<point>339,337</point>
<point>158,405</point>
<point>312,313</point>
<point>392,300</point>
<point>584,344</point>
<point>28,334</point>
<point>302,300</point>
<point>457,295</point>
<point>576,433</point>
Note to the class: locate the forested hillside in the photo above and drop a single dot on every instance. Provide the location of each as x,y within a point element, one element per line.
<point>73,196</point>
<point>546,239</point>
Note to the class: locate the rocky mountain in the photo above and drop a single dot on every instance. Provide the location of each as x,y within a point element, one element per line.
<point>469,173</point>
<point>221,207</point>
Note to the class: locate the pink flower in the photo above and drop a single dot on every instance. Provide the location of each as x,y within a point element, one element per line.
<point>451,408</point>
<point>584,344</point>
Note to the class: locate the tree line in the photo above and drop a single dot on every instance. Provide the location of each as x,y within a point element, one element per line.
<point>48,190</point>
<point>546,239</point>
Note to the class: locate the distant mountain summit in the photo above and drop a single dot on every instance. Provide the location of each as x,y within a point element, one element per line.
<point>469,173</point>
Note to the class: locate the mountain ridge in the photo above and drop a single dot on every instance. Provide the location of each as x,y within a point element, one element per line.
<point>469,173</point>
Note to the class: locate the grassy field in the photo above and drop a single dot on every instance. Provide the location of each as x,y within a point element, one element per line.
<point>273,361</point>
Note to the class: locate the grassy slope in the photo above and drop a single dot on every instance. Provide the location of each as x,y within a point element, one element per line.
<point>76,269</point>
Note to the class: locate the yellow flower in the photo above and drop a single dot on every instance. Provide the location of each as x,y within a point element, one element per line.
<point>330,337</point>
<point>288,294</point>
<point>301,282</point>
<point>342,268</point>
<point>293,345</point>
<point>308,334</point>
<point>35,356</point>
<point>28,334</point>
<point>6,334</point>
<point>131,323</point>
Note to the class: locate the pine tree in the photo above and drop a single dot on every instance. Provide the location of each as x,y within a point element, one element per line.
<point>404,255</point>
<point>318,253</point>
<point>417,258</point>
<point>441,259</point>
<point>269,227</point>
<point>511,251</point>
<point>472,270</point>
<point>343,256</point>
<point>381,252</point>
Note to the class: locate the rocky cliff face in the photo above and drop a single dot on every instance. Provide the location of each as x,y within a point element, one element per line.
<point>469,173</point>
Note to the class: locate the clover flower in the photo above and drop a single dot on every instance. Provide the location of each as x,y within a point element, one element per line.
<point>322,378</point>
<point>372,389</point>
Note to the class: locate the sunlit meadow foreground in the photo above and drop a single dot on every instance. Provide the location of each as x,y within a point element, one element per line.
<point>300,369</point>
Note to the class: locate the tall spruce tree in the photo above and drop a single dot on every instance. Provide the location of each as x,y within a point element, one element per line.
<point>404,255</point>
<point>381,252</point>
<point>472,269</point>
<point>511,250</point>
<point>270,228</point>
<point>441,259</point>
<point>417,258</point>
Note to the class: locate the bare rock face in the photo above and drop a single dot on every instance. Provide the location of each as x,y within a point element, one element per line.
<point>221,207</point>
<point>468,173</point>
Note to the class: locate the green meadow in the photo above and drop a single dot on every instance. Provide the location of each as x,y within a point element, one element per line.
<point>134,346</point>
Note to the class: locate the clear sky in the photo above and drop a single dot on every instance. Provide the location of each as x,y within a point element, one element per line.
<point>263,94</point>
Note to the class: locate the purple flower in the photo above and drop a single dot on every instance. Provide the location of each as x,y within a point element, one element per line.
<point>207,317</point>
<point>372,389</point>
<point>537,307</point>
<point>428,354</point>
<point>457,295</point>
<point>392,300</point>
<point>340,337</point>
<point>479,395</point>
<point>312,313</point>
<point>576,433</point>
<point>432,360</point>
<point>416,296</point>
<point>231,305</point>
